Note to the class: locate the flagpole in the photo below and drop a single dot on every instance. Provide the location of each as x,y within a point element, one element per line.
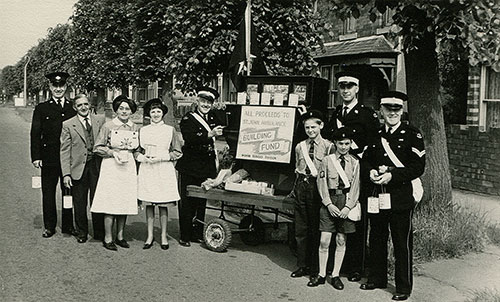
<point>248,32</point>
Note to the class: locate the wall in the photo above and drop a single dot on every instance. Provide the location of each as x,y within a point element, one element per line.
<point>474,158</point>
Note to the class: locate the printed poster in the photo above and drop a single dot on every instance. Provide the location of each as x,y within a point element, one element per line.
<point>266,133</point>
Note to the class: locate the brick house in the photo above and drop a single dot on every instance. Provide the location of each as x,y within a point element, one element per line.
<point>366,47</point>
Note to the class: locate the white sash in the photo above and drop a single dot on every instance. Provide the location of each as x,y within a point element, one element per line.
<point>309,162</point>
<point>340,171</point>
<point>339,124</point>
<point>207,127</point>
<point>418,189</point>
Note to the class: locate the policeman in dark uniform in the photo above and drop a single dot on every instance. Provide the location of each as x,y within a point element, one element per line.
<point>394,158</point>
<point>46,128</point>
<point>364,123</point>
<point>199,162</point>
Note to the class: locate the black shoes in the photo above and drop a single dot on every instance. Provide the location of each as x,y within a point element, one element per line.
<point>71,232</point>
<point>123,243</point>
<point>371,286</point>
<point>109,246</point>
<point>316,280</point>
<point>147,246</point>
<point>81,239</point>
<point>337,283</point>
<point>48,233</point>
<point>302,271</point>
<point>400,297</point>
<point>164,246</point>
<point>354,277</point>
<point>184,243</point>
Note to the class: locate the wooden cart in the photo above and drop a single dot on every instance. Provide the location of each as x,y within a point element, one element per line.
<point>217,233</point>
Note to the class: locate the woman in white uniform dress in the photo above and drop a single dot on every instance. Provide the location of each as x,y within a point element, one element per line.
<point>157,182</point>
<point>116,192</point>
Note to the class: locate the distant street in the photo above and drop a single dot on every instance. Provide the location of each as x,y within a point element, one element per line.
<point>33,268</point>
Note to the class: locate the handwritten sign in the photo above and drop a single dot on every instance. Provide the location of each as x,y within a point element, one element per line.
<point>266,133</point>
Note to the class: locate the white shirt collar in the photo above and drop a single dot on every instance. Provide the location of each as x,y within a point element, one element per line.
<point>393,128</point>
<point>350,106</point>
<point>82,119</point>
<point>117,122</point>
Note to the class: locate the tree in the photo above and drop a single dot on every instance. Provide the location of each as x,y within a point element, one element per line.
<point>425,27</point>
<point>10,80</point>
<point>193,40</point>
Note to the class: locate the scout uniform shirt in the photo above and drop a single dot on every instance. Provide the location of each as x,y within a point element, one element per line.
<point>321,149</point>
<point>329,179</point>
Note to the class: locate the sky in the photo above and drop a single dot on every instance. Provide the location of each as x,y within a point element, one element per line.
<point>24,22</point>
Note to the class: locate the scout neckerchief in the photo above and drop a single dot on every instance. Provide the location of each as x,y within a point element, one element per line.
<point>418,190</point>
<point>340,171</point>
<point>309,162</point>
<point>207,127</point>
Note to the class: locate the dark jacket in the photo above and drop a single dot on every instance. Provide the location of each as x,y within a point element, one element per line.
<point>362,120</point>
<point>408,145</point>
<point>198,157</point>
<point>46,128</point>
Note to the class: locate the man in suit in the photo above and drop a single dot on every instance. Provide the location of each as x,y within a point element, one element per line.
<point>44,139</point>
<point>199,162</point>
<point>364,123</point>
<point>394,158</point>
<point>80,167</point>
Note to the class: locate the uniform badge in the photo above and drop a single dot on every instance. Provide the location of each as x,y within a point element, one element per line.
<point>419,135</point>
<point>356,111</point>
<point>402,131</point>
<point>375,115</point>
<point>322,174</point>
<point>199,134</point>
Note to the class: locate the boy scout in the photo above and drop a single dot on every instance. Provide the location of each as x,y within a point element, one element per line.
<point>338,186</point>
<point>309,154</point>
<point>395,158</point>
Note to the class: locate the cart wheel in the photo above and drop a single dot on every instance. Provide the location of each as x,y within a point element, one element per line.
<point>256,233</point>
<point>217,235</point>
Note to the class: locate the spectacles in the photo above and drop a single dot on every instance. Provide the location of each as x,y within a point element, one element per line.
<point>346,85</point>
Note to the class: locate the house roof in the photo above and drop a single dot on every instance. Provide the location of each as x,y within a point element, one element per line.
<point>360,46</point>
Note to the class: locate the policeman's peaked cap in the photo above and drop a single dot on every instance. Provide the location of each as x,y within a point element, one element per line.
<point>154,103</point>
<point>58,77</point>
<point>207,93</point>
<point>393,99</point>
<point>347,77</point>
<point>315,114</point>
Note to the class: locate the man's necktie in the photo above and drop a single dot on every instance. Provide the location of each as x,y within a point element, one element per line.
<point>87,125</point>
<point>311,155</point>
<point>345,111</point>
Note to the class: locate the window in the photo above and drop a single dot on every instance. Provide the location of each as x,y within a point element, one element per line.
<point>489,99</point>
<point>386,18</point>
<point>349,25</point>
<point>328,72</point>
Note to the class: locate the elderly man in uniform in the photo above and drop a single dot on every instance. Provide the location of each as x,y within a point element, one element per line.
<point>364,123</point>
<point>79,165</point>
<point>394,159</point>
<point>45,134</point>
<point>199,162</point>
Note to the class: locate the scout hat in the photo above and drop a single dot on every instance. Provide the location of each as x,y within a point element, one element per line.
<point>207,93</point>
<point>312,114</point>
<point>57,78</point>
<point>393,99</point>
<point>343,133</point>
<point>156,103</point>
<point>347,77</point>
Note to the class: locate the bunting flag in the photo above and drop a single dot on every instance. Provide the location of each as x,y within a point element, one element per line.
<point>245,59</point>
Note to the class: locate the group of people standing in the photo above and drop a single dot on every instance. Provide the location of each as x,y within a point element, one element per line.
<point>96,162</point>
<point>335,177</point>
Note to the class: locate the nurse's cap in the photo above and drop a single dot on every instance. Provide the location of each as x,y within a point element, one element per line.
<point>207,93</point>
<point>57,77</point>
<point>393,99</point>
<point>347,77</point>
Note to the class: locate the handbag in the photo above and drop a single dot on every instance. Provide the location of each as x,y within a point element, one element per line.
<point>355,213</point>
<point>124,139</point>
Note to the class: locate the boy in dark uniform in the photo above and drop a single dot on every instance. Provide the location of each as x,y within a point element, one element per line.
<point>46,128</point>
<point>338,186</point>
<point>199,162</point>
<point>309,153</point>
<point>394,159</point>
<point>364,123</point>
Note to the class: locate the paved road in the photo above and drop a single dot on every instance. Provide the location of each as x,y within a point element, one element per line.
<point>59,269</point>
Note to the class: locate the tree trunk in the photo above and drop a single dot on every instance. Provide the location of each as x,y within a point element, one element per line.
<point>426,113</point>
